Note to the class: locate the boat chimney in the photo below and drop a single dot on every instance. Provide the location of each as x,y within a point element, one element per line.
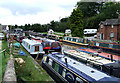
<point>66,60</point>
<point>111,57</point>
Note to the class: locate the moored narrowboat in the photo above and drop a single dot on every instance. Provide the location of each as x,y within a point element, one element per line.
<point>72,71</point>
<point>96,61</point>
<point>33,47</point>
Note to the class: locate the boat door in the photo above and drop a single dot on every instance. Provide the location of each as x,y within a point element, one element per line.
<point>36,48</point>
<point>102,36</point>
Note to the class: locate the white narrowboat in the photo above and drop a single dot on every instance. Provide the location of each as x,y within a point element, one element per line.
<point>32,46</point>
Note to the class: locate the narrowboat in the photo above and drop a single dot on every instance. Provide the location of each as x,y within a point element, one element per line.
<point>55,37</point>
<point>72,71</point>
<point>54,45</point>
<point>49,45</point>
<point>116,57</point>
<point>33,47</point>
<point>105,46</point>
<point>76,41</point>
<point>94,60</point>
<point>19,39</point>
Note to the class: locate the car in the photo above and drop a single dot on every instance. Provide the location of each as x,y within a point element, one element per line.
<point>2,36</point>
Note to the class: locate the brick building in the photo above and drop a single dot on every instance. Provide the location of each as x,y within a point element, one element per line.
<point>110,29</point>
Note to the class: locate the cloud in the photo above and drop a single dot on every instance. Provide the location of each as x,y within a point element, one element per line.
<point>34,11</point>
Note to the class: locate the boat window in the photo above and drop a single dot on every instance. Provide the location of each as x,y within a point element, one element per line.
<point>29,47</point>
<point>36,48</point>
<point>26,45</point>
<point>50,62</point>
<point>78,80</point>
<point>63,72</point>
<point>24,42</point>
<point>56,67</point>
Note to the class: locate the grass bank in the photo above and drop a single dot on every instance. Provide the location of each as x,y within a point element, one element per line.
<point>30,71</point>
<point>4,58</point>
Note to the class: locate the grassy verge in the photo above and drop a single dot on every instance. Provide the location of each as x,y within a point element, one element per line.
<point>30,71</point>
<point>0,67</point>
<point>4,58</point>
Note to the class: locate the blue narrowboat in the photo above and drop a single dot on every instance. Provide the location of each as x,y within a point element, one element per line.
<point>72,71</point>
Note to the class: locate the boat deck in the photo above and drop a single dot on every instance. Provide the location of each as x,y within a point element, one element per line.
<point>103,54</point>
<point>89,57</point>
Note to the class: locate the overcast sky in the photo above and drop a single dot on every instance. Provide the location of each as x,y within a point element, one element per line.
<point>22,12</point>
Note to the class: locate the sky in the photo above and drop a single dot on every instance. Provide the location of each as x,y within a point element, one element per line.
<point>23,12</point>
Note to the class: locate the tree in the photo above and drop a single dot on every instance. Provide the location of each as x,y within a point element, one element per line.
<point>88,8</point>
<point>16,26</point>
<point>76,22</point>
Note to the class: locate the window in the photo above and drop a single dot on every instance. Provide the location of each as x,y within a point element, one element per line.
<point>97,44</point>
<point>36,48</point>
<point>78,80</point>
<point>111,34</point>
<point>29,47</point>
<point>112,26</point>
<point>110,45</point>
<point>50,62</point>
<point>101,26</point>
<point>56,67</point>
<point>63,73</point>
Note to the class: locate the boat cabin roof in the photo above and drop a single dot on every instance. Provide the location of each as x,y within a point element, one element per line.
<point>31,42</point>
<point>92,58</point>
<point>79,67</point>
<point>48,40</point>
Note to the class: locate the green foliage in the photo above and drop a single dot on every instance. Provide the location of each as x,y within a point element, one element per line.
<point>76,23</point>
<point>95,12</point>
<point>88,8</point>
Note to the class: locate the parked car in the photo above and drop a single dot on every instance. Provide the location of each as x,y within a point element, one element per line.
<point>2,36</point>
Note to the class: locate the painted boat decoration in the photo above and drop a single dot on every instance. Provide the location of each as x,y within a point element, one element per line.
<point>48,45</point>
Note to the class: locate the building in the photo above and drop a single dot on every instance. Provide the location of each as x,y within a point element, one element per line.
<point>50,31</point>
<point>18,30</point>
<point>110,29</point>
<point>4,28</point>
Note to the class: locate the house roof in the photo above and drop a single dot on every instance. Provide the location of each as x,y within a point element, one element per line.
<point>111,22</point>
